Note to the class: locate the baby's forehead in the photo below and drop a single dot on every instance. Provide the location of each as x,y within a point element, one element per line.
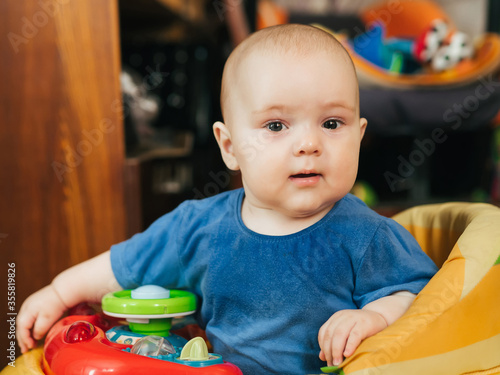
<point>304,55</point>
<point>290,40</point>
<point>280,43</point>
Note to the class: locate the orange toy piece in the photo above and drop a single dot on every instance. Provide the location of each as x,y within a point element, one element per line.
<point>405,18</point>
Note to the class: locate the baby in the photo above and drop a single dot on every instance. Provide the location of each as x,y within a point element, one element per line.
<point>291,265</point>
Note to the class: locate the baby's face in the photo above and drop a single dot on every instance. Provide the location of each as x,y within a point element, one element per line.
<point>295,131</point>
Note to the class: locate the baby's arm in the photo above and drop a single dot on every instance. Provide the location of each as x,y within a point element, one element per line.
<point>87,281</point>
<point>343,332</point>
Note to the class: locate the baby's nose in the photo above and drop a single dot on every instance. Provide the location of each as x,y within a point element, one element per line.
<point>308,144</point>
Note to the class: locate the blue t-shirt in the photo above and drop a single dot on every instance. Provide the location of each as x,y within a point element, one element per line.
<point>263,298</point>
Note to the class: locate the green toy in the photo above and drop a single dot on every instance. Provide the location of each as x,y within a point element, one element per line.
<point>149,310</point>
<point>332,370</point>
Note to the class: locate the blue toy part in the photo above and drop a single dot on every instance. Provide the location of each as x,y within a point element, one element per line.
<point>401,45</point>
<point>394,55</point>
<point>123,335</point>
<point>370,46</point>
<point>213,359</point>
<point>405,48</point>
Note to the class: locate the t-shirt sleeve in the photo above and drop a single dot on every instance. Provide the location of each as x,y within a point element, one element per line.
<point>393,261</point>
<point>151,257</point>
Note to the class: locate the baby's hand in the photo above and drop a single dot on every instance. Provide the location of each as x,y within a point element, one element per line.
<point>343,332</point>
<point>37,314</point>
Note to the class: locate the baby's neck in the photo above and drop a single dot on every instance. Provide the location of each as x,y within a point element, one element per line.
<point>274,223</point>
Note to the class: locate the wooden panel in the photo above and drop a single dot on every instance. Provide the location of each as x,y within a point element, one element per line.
<point>61,138</point>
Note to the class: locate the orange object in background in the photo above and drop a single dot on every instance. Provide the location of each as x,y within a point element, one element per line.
<point>270,14</point>
<point>409,19</point>
<point>404,18</point>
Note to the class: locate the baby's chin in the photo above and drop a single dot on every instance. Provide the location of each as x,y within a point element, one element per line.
<point>309,211</point>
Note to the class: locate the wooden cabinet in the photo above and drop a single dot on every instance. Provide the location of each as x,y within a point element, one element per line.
<point>61,139</point>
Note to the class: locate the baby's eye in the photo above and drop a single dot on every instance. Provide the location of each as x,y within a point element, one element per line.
<point>275,126</point>
<point>331,124</point>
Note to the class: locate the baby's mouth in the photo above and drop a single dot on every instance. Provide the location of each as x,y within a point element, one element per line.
<point>305,179</point>
<point>305,175</point>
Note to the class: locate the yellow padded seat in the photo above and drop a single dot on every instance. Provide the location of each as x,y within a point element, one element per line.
<point>453,326</point>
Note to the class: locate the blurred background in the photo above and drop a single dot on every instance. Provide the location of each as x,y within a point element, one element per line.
<point>107,109</point>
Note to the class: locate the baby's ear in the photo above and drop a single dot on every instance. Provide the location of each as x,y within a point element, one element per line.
<point>362,125</point>
<point>223,137</point>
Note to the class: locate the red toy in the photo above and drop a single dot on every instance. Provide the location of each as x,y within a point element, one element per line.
<point>78,345</point>
<point>90,345</point>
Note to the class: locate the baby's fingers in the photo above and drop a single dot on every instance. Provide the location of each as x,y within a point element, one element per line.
<point>24,324</point>
<point>339,342</point>
<point>325,341</point>
<point>37,314</point>
<point>353,341</point>
<point>332,339</point>
<point>43,324</point>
